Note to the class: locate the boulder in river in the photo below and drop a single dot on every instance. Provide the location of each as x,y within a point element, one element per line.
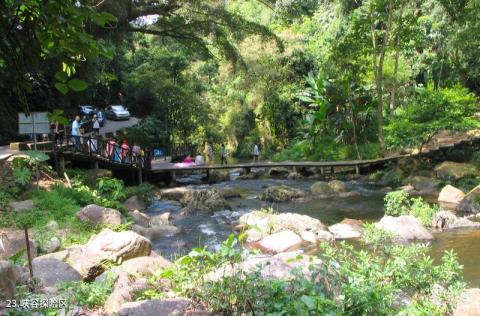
<point>174,194</point>
<point>450,197</point>
<point>283,241</point>
<point>405,227</point>
<point>321,189</point>
<point>171,306</point>
<point>295,176</point>
<point>281,193</point>
<point>96,214</point>
<point>449,170</point>
<point>140,218</point>
<point>158,231</point>
<point>208,200</point>
<point>337,186</point>
<point>135,203</point>
<point>110,247</point>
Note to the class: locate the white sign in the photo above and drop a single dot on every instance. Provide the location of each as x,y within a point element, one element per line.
<point>36,122</point>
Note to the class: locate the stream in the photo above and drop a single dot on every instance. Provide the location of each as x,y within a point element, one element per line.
<point>206,230</point>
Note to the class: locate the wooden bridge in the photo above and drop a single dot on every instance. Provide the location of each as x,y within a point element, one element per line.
<point>114,156</point>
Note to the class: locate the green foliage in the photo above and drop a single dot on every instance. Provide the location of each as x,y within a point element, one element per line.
<point>428,112</point>
<point>145,191</point>
<point>347,281</point>
<point>87,294</point>
<point>22,175</point>
<point>111,188</point>
<point>399,203</point>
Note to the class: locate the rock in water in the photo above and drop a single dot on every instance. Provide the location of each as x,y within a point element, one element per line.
<point>321,189</point>
<point>280,242</point>
<point>134,203</point>
<point>448,220</point>
<point>348,228</point>
<point>207,200</point>
<point>450,197</point>
<point>140,219</point>
<point>96,214</point>
<point>281,193</point>
<point>337,186</point>
<point>51,271</point>
<point>171,307</point>
<point>406,227</point>
<point>110,247</point>
<point>174,194</point>
<point>158,231</point>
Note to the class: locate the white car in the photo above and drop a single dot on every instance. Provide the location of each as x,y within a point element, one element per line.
<point>117,112</point>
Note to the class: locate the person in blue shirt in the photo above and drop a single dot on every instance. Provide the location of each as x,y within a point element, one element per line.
<point>76,133</point>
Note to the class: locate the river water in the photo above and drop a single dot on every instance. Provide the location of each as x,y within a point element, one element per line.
<point>205,230</point>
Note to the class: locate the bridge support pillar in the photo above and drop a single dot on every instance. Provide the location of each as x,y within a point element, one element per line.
<point>322,171</point>
<point>95,165</point>
<point>208,175</point>
<point>332,170</point>
<point>173,176</point>
<point>61,167</point>
<point>140,176</point>
<point>295,169</point>
<point>247,170</point>
<point>357,169</point>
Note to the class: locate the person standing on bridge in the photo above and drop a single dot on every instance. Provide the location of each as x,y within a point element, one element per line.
<point>96,125</point>
<point>76,133</point>
<point>223,153</point>
<point>256,153</point>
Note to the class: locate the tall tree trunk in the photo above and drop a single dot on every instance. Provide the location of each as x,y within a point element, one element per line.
<point>393,96</point>
<point>378,70</point>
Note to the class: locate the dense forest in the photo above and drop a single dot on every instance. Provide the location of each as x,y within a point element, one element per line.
<point>305,79</point>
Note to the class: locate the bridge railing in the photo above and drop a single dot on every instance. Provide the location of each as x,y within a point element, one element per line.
<point>108,150</point>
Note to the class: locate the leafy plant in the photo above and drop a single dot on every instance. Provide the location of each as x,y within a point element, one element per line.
<point>111,188</point>
<point>400,203</point>
<point>89,294</point>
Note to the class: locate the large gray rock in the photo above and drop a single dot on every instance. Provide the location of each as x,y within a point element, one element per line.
<point>97,215</point>
<point>157,232</point>
<point>140,219</point>
<point>51,271</point>
<point>22,206</point>
<point>51,245</point>
<point>162,219</point>
<point>280,242</point>
<point>450,197</point>
<point>449,170</point>
<point>337,186</point>
<point>170,307</point>
<point>468,303</point>
<point>261,224</point>
<point>321,189</point>
<point>14,243</point>
<point>405,227</point>
<point>295,176</point>
<point>110,247</point>
<point>134,203</point>
<point>207,200</point>
<point>281,193</point>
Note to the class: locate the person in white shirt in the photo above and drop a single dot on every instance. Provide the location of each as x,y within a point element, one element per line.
<point>76,133</point>
<point>96,125</point>
<point>199,160</point>
<point>256,153</point>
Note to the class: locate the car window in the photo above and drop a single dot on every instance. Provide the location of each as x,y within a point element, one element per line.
<point>118,107</point>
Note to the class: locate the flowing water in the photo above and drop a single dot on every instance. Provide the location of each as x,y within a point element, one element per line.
<point>205,230</point>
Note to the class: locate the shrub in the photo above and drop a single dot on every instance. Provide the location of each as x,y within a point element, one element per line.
<point>146,191</point>
<point>87,294</point>
<point>347,281</point>
<point>397,203</point>
<point>400,203</point>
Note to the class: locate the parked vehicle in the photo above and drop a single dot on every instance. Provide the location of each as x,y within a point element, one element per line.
<point>117,112</point>
<point>86,110</point>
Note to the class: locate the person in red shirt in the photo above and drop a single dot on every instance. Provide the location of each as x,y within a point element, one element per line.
<point>125,151</point>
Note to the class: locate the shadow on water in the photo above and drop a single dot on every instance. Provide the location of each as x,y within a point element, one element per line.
<point>205,230</point>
